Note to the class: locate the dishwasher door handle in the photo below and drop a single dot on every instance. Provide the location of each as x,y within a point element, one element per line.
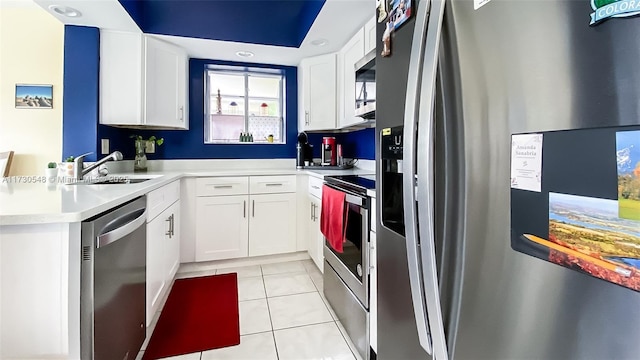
<point>124,230</point>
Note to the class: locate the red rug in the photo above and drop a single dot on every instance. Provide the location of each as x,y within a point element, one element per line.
<point>200,314</point>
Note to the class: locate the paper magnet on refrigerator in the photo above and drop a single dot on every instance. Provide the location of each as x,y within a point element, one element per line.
<point>585,215</point>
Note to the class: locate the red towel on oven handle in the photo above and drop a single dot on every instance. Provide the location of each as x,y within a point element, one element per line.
<point>333,217</point>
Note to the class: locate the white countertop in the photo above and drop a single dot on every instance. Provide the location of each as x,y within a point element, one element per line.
<point>24,203</point>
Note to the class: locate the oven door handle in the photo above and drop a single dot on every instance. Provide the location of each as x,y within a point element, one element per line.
<point>355,200</point>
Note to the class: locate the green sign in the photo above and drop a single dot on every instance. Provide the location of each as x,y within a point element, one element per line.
<point>604,9</point>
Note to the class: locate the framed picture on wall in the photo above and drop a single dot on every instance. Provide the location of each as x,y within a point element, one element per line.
<point>34,96</point>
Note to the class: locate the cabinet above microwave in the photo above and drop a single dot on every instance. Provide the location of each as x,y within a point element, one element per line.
<point>328,94</point>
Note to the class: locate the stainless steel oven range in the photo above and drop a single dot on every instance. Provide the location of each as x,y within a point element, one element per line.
<point>346,273</point>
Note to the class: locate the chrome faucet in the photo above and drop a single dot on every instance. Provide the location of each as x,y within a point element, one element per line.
<point>79,171</point>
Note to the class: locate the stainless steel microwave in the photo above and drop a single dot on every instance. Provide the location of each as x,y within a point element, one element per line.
<point>366,86</point>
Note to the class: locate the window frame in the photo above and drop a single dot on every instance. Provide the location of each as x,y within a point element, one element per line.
<point>246,72</point>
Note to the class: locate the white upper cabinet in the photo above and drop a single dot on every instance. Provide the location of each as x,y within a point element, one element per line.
<point>317,93</point>
<point>327,84</point>
<point>165,74</point>
<point>350,53</point>
<point>143,81</point>
<point>370,35</point>
<point>121,74</point>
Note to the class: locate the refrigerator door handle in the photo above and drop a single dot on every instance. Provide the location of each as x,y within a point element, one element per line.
<point>408,175</point>
<point>425,169</point>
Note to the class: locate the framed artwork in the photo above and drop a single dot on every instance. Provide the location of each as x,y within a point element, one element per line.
<point>34,96</point>
<point>400,12</point>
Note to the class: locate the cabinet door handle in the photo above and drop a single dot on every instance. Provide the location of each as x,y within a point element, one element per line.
<point>168,231</point>
<point>173,224</point>
<point>244,209</point>
<point>315,215</point>
<point>181,113</point>
<point>312,219</point>
<point>253,211</point>
<point>306,118</point>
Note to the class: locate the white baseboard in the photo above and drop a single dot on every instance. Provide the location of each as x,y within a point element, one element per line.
<point>248,261</point>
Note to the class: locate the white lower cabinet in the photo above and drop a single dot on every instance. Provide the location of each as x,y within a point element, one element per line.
<point>315,237</point>
<point>163,248</point>
<point>172,256</point>
<point>272,227</point>
<point>251,224</point>
<point>222,227</point>
<point>155,263</point>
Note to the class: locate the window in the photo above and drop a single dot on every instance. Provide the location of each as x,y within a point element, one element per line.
<point>244,100</point>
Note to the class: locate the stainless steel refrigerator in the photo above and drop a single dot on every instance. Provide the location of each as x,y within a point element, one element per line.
<point>459,81</point>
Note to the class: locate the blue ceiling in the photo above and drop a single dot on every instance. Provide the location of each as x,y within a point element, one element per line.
<point>268,22</point>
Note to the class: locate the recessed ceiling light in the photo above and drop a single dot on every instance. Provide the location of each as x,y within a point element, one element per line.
<point>65,11</point>
<point>320,42</point>
<point>244,54</point>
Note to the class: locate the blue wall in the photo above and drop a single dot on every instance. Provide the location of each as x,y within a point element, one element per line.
<point>80,91</point>
<point>357,144</point>
<point>189,144</point>
<point>82,133</point>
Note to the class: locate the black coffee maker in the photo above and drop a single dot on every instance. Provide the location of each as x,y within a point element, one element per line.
<point>304,151</point>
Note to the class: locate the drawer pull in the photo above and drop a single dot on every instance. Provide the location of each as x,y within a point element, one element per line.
<point>222,186</point>
<point>274,184</point>
<point>315,187</point>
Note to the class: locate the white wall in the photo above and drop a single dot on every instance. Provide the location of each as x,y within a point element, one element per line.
<point>31,52</point>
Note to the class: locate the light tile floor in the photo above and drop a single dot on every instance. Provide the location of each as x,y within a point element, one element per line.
<point>283,315</point>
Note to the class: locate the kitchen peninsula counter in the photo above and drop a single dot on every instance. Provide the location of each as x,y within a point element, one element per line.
<point>23,203</point>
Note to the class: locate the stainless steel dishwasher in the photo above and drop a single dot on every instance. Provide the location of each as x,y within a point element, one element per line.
<point>113,283</point>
